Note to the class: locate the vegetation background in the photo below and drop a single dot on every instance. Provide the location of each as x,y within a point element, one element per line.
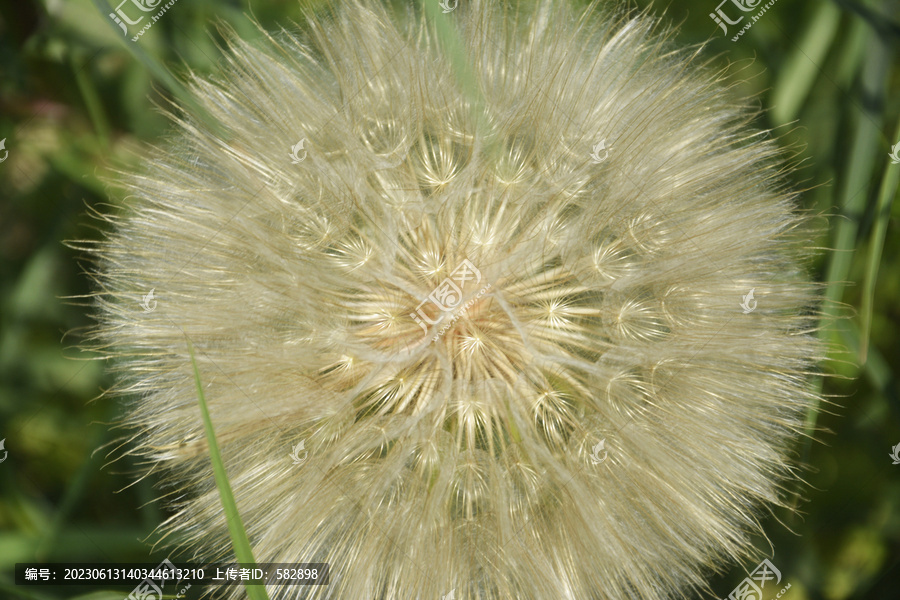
<point>75,95</point>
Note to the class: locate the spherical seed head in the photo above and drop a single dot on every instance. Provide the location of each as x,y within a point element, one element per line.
<point>506,316</point>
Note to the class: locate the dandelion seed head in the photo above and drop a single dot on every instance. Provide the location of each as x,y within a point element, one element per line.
<point>451,304</point>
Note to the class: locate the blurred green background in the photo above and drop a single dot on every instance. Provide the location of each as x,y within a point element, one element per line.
<point>76,96</point>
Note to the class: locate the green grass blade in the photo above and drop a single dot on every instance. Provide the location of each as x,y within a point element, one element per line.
<point>239,540</point>
<point>886,194</point>
<point>877,369</point>
<point>91,98</point>
<point>804,63</point>
<point>452,45</point>
<point>866,143</point>
<point>455,51</point>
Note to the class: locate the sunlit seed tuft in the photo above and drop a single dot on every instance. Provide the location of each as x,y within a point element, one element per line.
<point>600,230</point>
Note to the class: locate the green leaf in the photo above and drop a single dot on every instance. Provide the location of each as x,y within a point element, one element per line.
<point>239,540</point>
<point>886,194</point>
<point>804,64</point>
